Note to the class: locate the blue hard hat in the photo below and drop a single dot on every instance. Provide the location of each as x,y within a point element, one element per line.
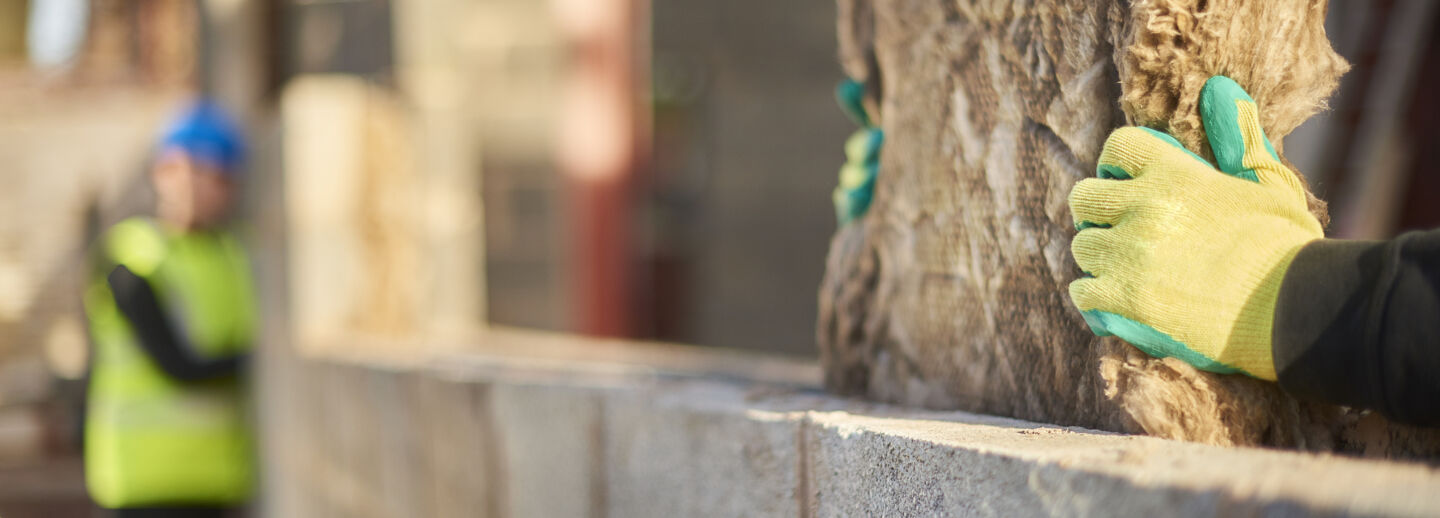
<point>206,133</point>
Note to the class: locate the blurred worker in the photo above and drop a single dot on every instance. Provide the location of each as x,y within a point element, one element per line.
<point>1227,270</point>
<point>172,315</point>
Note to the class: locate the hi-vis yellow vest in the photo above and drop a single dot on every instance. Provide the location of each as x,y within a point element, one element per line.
<point>150,439</point>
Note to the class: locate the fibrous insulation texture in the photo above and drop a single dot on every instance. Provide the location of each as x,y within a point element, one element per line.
<point>951,291</point>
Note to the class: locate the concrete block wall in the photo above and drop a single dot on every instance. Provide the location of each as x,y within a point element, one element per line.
<point>512,428</point>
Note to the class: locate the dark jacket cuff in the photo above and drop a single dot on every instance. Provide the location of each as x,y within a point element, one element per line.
<point>1358,323</point>
<point>1319,341</point>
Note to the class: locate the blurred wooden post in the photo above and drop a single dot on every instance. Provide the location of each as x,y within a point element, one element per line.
<point>13,17</point>
<point>434,73</point>
<point>603,145</point>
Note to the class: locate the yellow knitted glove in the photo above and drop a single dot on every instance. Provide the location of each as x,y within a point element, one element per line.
<point>1185,260</point>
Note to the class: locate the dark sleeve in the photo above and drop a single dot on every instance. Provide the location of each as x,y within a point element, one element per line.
<point>157,337</point>
<point>1358,324</point>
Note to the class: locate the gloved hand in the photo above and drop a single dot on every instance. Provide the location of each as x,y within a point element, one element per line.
<point>1185,260</point>
<point>862,155</point>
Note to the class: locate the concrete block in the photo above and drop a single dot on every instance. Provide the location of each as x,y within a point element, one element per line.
<point>456,448</point>
<point>968,465</point>
<point>295,440</point>
<point>348,472</point>
<point>509,436</point>
<point>391,405</point>
<point>549,443</point>
<point>696,449</point>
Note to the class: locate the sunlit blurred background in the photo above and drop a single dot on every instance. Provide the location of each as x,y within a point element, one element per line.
<point>653,169</point>
<point>421,168</point>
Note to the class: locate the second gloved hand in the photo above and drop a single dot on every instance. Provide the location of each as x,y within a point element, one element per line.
<point>1185,259</point>
<point>862,155</point>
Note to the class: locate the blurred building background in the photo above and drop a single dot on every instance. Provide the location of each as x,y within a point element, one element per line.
<point>724,142</point>
<point>652,169</point>
<point>731,202</point>
<point>1372,155</point>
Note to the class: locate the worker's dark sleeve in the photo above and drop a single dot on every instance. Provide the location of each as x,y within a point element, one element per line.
<point>1358,324</point>
<point>159,339</point>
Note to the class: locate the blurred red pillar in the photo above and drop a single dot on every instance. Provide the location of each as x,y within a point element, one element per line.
<point>603,145</point>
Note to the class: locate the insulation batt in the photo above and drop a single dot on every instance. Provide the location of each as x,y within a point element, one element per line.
<point>951,291</point>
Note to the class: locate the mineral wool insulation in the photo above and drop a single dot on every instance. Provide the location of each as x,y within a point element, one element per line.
<point>951,291</point>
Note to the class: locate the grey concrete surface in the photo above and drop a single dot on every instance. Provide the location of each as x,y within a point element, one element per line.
<point>512,428</point>
<point>689,448</point>
<point>549,440</point>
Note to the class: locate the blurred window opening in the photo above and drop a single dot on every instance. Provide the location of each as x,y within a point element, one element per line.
<point>56,31</point>
<point>339,36</point>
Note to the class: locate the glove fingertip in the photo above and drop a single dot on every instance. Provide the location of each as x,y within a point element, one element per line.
<point>1223,88</point>
<point>1125,150</point>
<point>1128,151</point>
<point>1111,172</point>
<point>850,94</point>
<point>872,149</point>
<point>1226,125</point>
<point>1081,293</point>
<point>1096,324</point>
